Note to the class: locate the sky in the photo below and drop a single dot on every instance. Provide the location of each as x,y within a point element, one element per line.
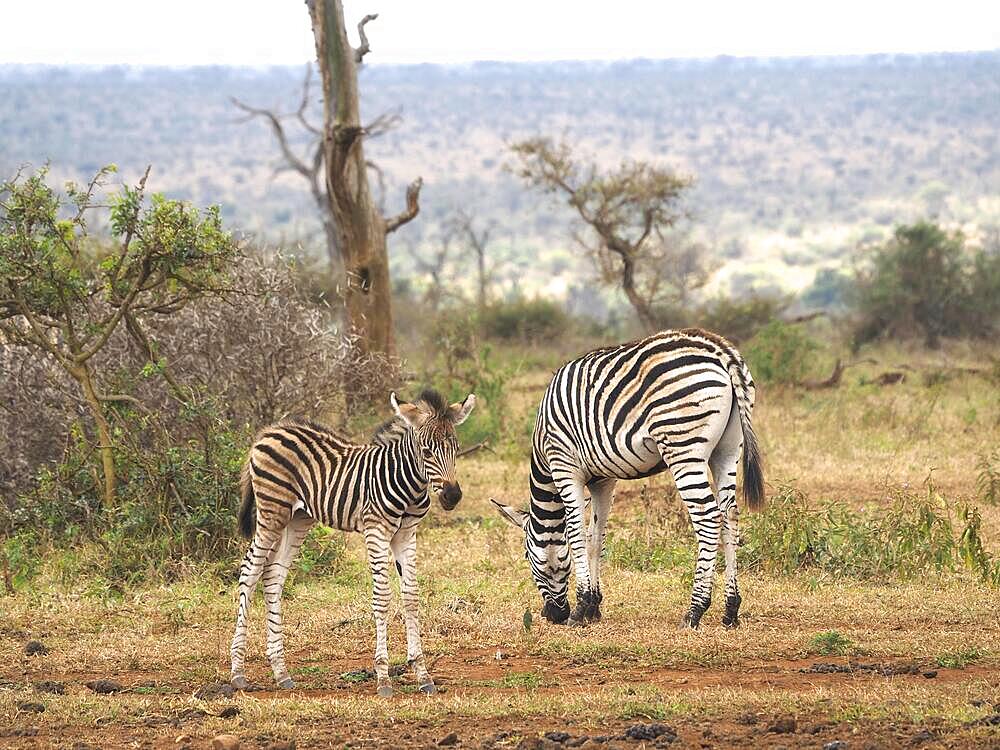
<point>271,32</point>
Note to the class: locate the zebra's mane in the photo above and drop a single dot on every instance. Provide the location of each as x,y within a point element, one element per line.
<point>392,430</point>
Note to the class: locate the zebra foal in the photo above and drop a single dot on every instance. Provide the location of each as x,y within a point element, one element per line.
<point>677,400</point>
<point>301,473</point>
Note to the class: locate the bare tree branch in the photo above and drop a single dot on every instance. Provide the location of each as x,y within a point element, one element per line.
<point>365,48</point>
<point>412,207</point>
<point>279,132</point>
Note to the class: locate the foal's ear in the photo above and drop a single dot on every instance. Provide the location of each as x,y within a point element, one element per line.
<point>409,413</point>
<point>517,517</point>
<point>459,412</point>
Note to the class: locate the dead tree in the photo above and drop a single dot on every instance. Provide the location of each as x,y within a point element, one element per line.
<point>310,165</point>
<point>476,242</point>
<point>360,225</point>
<point>628,211</point>
<point>435,265</point>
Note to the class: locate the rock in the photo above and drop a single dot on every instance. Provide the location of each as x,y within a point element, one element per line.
<point>105,687</point>
<point>784,725</point>
<point>31,707</point>
<point>559,737</point>
<point>924,735</point>
<point>646,732</point>
<point>229,712</point>
<point>577,741</point>
<point>50,686</point>
<point>930,674</point>
<point>281,745</point>
<point>532,743</point>
<point>36,648</point>
<point>448,740</point>
<point>748,719</point>
<point>226,742</point>
<point>214,690</point>
<point>835,745</point>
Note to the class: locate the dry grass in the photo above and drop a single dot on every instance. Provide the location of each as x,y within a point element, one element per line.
<point>855,444</point>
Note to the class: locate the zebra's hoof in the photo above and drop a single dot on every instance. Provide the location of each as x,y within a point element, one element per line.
<point>428,688</point>
<point>574,623</point>
<point>385,691</point>
<point>286,684</point>
<point>730,624</point>
<point>690,621</point>
<point>239,682</point>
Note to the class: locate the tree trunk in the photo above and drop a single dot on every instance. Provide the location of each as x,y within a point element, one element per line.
<point>83,377</point>
<point>361,229</point>
<point>642,309</point>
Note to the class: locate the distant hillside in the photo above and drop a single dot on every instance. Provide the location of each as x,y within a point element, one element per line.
<point>796,161</point>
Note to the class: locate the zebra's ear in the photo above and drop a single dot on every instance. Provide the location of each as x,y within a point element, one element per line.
<point>409,413</point>
<point>459,412</point>
<point>517,517</point>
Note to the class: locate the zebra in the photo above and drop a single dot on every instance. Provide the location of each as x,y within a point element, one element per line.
<point>678,400</point>
<point>300,473</point>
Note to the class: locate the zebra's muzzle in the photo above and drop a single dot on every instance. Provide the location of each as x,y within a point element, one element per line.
<point>450,495</point>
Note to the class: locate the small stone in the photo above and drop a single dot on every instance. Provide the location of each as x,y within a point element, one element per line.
<point>835,745</point>
<point>281,745</point>
<point>229,712</point>
<point>559,737</point>
<point>930,674</point>
<point>449,739</point>
<point>748,719</point>
<point>35,648</point>
<point>226,742</point>
<point>924,735</point>
<point>785,725</point>
<point>577,741</point>
<point>105,687</point>
<point>214,690</point>
<point>532,743</point>
<point>50,686</point>
<point>31,707</point>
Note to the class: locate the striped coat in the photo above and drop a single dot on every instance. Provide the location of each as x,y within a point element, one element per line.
<point>298,474</point>
<point>678,400</point>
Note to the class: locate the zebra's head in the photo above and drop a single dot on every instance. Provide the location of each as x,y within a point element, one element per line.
<point>433,421</point>
<point>549,562</point>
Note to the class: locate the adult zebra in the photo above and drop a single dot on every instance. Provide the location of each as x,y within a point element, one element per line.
<point>678,400</point>
<point>301,473</point>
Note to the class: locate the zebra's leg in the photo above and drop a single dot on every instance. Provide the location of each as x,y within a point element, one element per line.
<point>571,491</point>
<point>695,488</point>
<point>724,461</point>
<point>263,542</point>
<point>377,541</point>
<point>404,551</point>
<point>275,573</point>
<point>602,492</point>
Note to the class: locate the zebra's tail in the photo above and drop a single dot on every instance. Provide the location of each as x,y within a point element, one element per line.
<point>248,509</point>
<point>753,470</point>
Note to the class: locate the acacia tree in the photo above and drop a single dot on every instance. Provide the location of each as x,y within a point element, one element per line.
<point>360,225</point>
<point>627,213</point>
<point>64,295</point>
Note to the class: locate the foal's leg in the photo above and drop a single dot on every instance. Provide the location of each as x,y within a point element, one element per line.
<point>602,492</point>
<point>404,550</point>
<point>723,462</point>
<point>377,542</point>
<point>275,572</point>
<point>264,541</point>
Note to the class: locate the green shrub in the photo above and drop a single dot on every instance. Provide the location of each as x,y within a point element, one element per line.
<point>914,535</point>
<point>524,320</point>
<point>739,319</point>
<point>926,281</point>
<point>780,353</point>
